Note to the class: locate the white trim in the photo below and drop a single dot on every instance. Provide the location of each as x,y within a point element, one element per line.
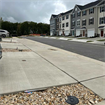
<point>78,20</point>
<point>91,18</point>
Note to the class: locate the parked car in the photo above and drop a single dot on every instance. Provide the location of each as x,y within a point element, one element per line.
<point>4,33</point>
<point>0,52</point>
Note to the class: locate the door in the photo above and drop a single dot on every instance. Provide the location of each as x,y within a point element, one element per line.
<point>102,33</point>
<point>63,32</point>
<point>73,33</point>
<point>83,32</point>
<point>91,33</point>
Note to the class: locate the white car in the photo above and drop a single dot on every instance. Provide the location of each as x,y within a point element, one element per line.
<point>4,33</point>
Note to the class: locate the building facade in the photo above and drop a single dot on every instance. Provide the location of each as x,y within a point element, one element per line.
<point>76,21</point>
<point>101,19</point>
<point>53,25</point>
<point>83,20</point>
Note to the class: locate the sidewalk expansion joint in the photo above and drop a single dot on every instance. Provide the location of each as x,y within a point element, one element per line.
<point>92,78</point>
<point>53,64</point>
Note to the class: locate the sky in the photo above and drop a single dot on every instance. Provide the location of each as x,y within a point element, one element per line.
<point>35,10</point>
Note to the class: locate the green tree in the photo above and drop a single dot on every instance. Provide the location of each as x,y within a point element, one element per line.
<point>1,22</point>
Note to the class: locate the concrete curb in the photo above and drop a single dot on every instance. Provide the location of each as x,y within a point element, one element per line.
<point>101,103</point>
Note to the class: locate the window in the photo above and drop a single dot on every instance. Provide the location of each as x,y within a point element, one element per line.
<point>102,9</point>
<point>67,16</point>
<point>60,26</point>
<point>73,15</point>
<point>63,25</point>
<point>73,23</point>
<point>91,10</point>
<point>57,26</point>
<point>91,21</point>
<point>67,24</point>
<point>78,22</point>
<point>83,22</point>
<point>102,20</point>
<point>2,31</point>
<point>75,9</point>
<point>63,18</point>
<point>84,13</point>
<point>78,14</point>
<point>59,19</point>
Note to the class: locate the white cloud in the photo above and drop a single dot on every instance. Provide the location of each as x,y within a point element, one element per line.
<point>59,7</point>
<point>35,10</point>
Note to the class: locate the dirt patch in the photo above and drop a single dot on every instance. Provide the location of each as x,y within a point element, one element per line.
<point>7,42</point>
<point>52,49</point>
<point>15,50</point>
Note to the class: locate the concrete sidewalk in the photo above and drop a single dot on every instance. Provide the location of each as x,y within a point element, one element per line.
<point>80,39</point>
<point>21,71</point>
<point>88,71</point>
<point>46,66</point>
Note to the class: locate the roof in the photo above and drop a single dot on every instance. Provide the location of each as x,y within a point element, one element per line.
<point>102,3</point>
<point>89,4</point>
<point>67,12</point>
<point>80,7</point>
<point>54,15</point>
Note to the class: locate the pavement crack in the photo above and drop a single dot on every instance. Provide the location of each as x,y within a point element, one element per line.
<point>92,78</point>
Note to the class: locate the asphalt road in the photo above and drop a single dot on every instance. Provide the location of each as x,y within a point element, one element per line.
<point>86,49</point>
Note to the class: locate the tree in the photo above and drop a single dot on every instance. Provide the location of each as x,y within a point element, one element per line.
<point>26,28</point>
<point>1,22</point>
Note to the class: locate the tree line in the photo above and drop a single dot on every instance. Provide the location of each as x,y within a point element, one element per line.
<point>25,28</point>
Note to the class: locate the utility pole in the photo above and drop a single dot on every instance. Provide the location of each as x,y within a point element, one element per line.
<point>0,22</point>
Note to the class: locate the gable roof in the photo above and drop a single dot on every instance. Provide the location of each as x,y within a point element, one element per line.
<point>67,12</point>
<point>103,2</point>
<point>54,15</point>
<point>89,5</point>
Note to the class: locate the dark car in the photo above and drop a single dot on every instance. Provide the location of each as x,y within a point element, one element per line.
<point>0,52</point>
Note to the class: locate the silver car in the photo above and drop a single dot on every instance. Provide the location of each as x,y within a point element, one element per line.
<point>4,33</point>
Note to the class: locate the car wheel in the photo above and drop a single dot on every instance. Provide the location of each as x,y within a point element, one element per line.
<point>3,36</point>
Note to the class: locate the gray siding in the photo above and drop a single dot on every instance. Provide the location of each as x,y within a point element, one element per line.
<point>53,26</point>
<point>75,20</point>
<point>88,16</point>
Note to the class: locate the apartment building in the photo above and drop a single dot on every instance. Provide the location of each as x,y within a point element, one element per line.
<point>58,19</point>
<point>101,18</point>
<point>66,23</point>
<point>75,21</point>
<point>89,19</point>
<point>84,20</point>
<point>53,25</point>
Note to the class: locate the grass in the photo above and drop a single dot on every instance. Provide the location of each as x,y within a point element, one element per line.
<point>82,38</point>
<point>69,39</point>
<point>89,41</point>
<point>101,40</point>
<point>8,37</point>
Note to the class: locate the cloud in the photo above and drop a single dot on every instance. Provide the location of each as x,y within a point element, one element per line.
<point>35,10</point>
